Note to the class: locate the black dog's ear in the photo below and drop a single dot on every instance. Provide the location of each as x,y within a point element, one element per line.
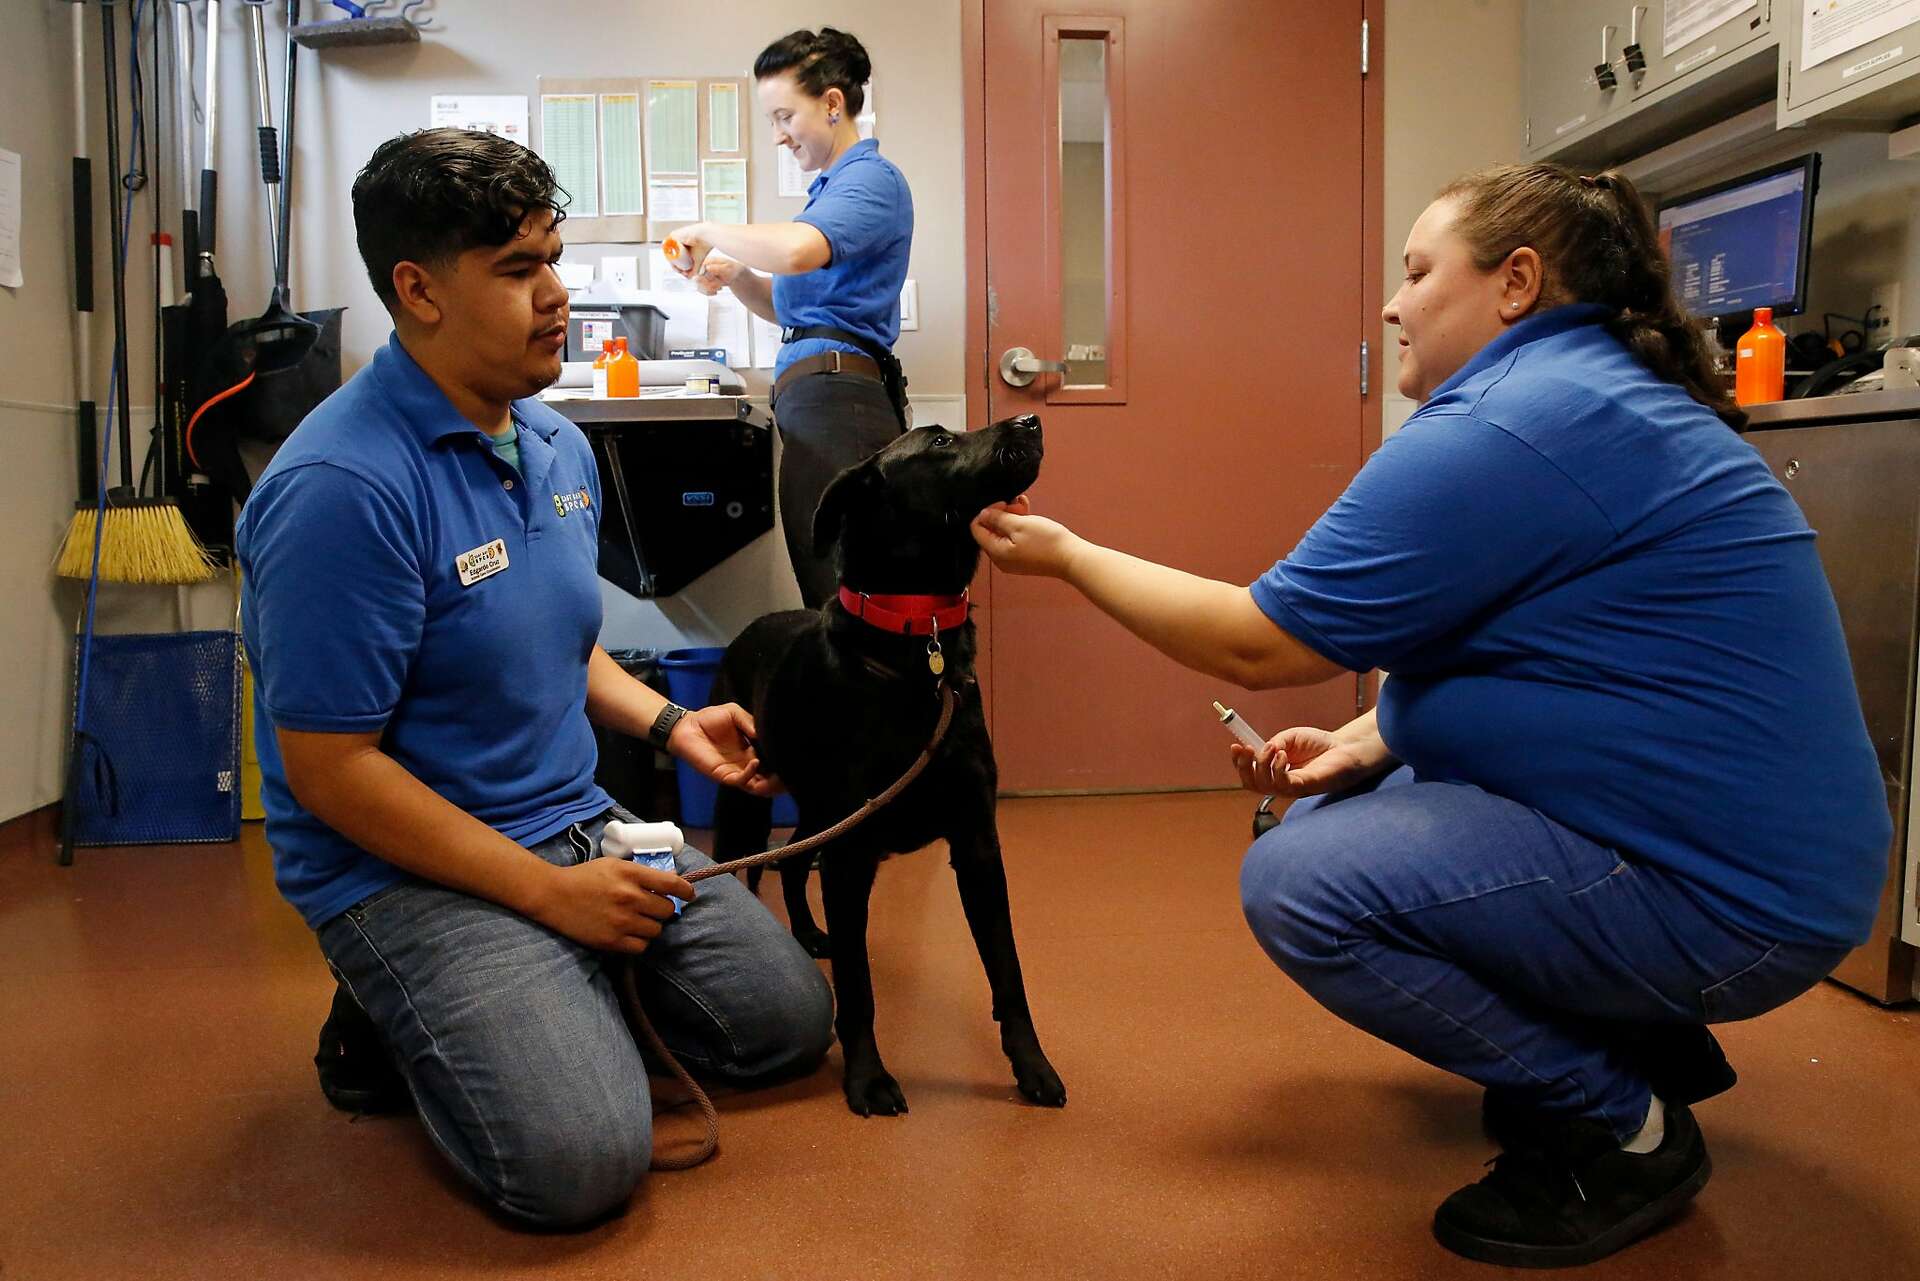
<point>850,487</point>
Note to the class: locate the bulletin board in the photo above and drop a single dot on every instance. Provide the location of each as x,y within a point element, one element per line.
<point>642,155</point>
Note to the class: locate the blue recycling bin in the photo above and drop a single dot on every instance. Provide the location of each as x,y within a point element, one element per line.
<point>690,674</point>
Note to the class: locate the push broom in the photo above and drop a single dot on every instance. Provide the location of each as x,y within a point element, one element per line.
<point>115,532</point>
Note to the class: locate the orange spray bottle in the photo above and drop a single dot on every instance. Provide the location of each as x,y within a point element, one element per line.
<point>1760,361</point>
<point>623,371</point>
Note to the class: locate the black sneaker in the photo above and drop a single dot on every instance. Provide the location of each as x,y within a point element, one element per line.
<point>1565,1193</point>
<point>356,1072</point>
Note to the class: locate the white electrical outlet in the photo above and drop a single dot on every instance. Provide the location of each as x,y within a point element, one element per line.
<point>910,305</point>
<point>1885,323</point>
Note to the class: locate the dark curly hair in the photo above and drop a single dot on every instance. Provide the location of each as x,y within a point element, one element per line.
<point>1597,243</point>
<point>429,196</point>
<point>828,59</point>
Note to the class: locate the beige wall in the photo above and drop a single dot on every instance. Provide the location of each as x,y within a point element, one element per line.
<point>1453,103</point>
<point>350,101</point>
<point>36,418</point>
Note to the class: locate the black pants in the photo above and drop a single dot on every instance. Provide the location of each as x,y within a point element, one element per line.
<point>827,423</point>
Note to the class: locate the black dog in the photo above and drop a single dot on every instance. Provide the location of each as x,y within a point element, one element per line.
<point>846,698</point>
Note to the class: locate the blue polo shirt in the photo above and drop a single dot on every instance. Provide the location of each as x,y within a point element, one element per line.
<point>862,206</point>
<point>401,577</point>
<point>1596,600</point>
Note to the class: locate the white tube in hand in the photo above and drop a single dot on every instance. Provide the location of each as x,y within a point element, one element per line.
<point>649,844</point>
<point>1240,729</point>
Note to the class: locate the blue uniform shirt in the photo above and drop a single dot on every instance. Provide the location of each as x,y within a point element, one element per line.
<point>354,546</point>
<point>862,206</point>
<point>1597,601</point>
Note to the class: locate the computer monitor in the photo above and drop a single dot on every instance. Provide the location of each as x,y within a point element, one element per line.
<point>1743,244</point>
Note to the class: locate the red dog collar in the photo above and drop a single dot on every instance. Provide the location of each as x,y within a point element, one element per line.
<point>907,615</point>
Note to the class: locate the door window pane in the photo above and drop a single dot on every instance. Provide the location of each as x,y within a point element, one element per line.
<point>1084,188</point>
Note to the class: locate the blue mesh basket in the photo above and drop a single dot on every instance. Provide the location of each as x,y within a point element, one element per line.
<point>159,741</point>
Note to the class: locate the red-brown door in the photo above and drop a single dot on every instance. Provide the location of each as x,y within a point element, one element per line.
<point>1175,201</point>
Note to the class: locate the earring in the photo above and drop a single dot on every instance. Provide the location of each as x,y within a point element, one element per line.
<point>833,117</point>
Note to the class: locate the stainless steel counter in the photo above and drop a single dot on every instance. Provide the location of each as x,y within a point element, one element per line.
<point>661,409</point>
<point>1863,406</point>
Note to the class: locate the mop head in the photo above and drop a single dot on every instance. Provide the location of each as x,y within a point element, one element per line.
<point>145,541</point>
<point>347,32</point>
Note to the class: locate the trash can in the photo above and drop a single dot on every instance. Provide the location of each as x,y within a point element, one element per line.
<point>643,325</point>
<point>626,767</point>
<point>690,674</point>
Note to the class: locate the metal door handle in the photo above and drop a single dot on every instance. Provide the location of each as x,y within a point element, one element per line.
<point>1019,366</point>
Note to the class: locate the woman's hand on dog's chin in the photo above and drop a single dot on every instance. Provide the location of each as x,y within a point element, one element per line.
<point>718,741</point>
<point>1019,542</point>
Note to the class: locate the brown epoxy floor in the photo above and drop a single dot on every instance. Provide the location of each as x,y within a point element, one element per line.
<point>159,1117</point>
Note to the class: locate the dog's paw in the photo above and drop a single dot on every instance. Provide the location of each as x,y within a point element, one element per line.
<point>1038,1082</point>
<point>814,942</point>
<point>874,1093</point>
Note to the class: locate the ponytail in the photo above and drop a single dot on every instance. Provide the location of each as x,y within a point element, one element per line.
<point>1599,245</point>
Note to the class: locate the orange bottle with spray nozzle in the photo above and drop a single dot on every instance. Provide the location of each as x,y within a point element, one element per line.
<point>1760,362</point>
<point>623,371</point>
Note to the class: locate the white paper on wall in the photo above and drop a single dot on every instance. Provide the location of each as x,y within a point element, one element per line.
<point>1830,28</point>
<point>730,331</point>
<point>674,201</point>
<point>1687,20</point>
<point>794,180</point>
<point>766,341</point>
<point>503,114</point>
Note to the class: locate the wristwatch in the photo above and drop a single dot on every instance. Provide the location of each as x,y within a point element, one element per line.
<point>663,724</point>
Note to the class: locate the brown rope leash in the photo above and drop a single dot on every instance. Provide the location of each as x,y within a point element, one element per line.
<point>630,992</point>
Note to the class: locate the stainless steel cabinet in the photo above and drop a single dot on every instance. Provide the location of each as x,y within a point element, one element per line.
<point>1853,465</point>
<point>1564,43</point>
<point>1704,54</point>
<point>1877,82</point>
<point>1573,117</point>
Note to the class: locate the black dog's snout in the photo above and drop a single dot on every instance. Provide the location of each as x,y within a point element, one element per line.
<point>1025,422</point>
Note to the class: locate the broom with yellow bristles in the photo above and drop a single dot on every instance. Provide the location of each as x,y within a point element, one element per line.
<point>115,533</point>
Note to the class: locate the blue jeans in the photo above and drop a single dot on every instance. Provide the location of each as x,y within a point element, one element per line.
<point>1488,940</point>
<point>512,1039</point>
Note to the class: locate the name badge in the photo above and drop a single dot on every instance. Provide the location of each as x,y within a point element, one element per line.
<point>482,562</point>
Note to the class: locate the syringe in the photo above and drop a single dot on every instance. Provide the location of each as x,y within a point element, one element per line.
<point>1240,729</point>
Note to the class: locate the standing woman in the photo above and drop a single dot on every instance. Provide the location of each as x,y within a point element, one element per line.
<point>831,279</point>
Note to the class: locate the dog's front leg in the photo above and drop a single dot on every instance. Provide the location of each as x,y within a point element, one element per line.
<point>793,891</point>
<point>846,882</point>
<point>983,894</point>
